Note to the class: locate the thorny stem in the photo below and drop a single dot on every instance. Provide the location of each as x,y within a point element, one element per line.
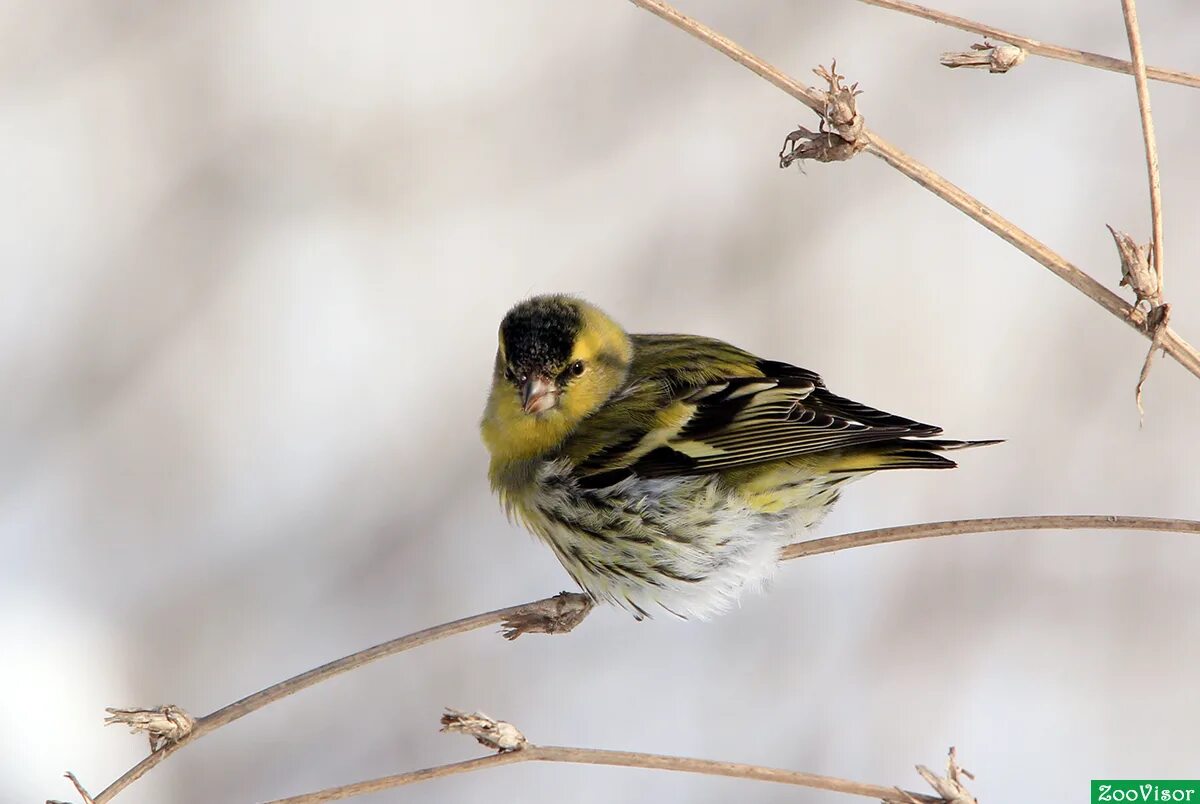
<point>626,759</point>
<point>275,692</point>
<point>1183,352</point>
<point>1034,46</point>
<point>1129,9</point>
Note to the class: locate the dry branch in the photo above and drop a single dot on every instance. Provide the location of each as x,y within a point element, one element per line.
<point>1160,313</point>
<point>1172,344</point>
<point>529,617</point>
<point>1143,96</point>
<point>1034,46</point>
<point>957,527</point>
<point>483,728</point>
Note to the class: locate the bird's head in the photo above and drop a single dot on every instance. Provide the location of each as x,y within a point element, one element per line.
<point>559,359</point>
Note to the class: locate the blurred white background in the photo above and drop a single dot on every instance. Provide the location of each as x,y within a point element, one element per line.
<point>254,256</point>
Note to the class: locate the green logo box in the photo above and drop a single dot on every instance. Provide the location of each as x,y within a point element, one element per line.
<point>1147,790</point>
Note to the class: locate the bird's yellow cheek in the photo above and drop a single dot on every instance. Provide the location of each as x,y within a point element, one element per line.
<point>578,401</point>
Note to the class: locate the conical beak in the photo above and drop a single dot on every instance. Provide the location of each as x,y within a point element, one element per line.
<point>538,395</point>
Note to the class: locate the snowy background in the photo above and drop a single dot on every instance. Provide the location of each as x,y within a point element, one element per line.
<point>254,256</point>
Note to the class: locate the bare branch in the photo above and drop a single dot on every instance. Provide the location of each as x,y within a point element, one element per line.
<point>527,752</point>
<point>1034,46</point>
<point>1160,313</point>
<point>1183,352</point>
<point>956,527</point>
<point>411,777</point>
<point>1143,96</point>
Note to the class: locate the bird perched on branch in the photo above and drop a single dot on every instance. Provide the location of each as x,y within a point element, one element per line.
<point>668,470</point>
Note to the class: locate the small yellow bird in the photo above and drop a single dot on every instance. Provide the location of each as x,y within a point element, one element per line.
<point>668,470</point>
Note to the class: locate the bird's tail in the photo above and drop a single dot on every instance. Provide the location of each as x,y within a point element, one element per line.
<point>903,453</point>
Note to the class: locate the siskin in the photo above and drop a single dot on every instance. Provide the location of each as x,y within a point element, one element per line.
<point>668,470</point>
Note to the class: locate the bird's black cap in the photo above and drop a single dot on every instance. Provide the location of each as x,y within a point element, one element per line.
<point>540,333</point>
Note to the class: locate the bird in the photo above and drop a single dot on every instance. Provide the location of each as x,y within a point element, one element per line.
<point>667,471</point>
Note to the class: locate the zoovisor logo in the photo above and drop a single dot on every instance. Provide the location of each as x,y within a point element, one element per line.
<point>1126,790</point>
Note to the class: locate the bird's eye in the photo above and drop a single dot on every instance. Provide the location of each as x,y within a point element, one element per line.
<point>577,368</point>
<point>509,374</point>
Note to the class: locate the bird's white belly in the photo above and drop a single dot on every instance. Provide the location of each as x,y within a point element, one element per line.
<point>687,544</point>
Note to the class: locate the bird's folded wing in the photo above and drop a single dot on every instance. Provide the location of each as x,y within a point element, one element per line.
<point>740,421</point>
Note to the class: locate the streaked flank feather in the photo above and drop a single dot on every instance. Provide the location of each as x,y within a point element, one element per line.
<point>666,471</point>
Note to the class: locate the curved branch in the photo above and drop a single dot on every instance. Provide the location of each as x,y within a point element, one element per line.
<point>624,759</point>
<point>1183,352</point>
<point>1034,46</point>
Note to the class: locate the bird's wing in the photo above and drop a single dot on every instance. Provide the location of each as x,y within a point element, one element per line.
<point>695,406</point>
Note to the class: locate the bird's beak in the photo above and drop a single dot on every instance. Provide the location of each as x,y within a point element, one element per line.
<point>538,395</point>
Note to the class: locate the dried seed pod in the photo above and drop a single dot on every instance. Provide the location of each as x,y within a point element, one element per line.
<point>999,58</point>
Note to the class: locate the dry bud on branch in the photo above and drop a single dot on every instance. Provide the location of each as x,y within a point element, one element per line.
<point>1137,270</point>
<point>840,135</point>
<point>996,58</point>
<point>1139,274</point>
<point>487,731</point>
<point>164,725</point>
<point>557,615</point>
<point>951,788</point>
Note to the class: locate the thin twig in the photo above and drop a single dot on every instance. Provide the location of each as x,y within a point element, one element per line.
<point>484,729</point>
<point>830,544</point>
<point>625,759</point>
<point>955,527</point>
<point>1034,46</point>
<point>1177,347</point>
<point>1143,95</point>
<point>79,788</point>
